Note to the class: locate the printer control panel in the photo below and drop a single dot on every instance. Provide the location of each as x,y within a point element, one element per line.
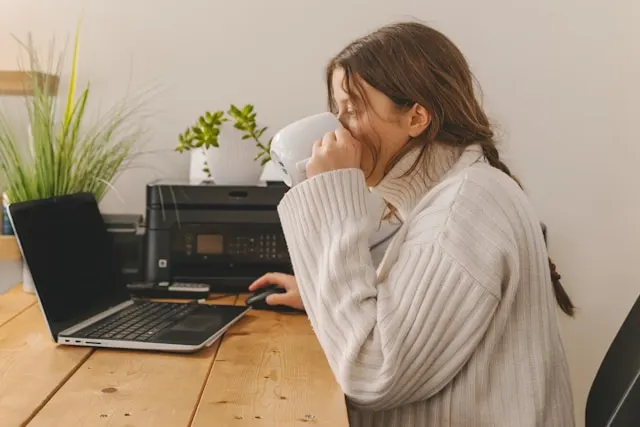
<point>263,246</point>
<point>239,242</point>
<point>245,245</point>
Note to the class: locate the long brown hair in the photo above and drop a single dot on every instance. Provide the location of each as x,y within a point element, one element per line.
<point>412,63</point>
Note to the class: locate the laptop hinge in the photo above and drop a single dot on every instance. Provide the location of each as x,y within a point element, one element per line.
<point>97,317</point>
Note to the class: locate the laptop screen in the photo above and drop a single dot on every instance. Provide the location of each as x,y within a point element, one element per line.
<point>71,257</point>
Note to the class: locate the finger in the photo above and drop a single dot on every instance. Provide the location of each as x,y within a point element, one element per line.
<point>342,134</point>
<point>329,139</point>
<point>345,139</point>
<point>260,282</point>
<point>268,279</point>
<point>281,299</point>
<point>316,147</point>
<point>264,281</point>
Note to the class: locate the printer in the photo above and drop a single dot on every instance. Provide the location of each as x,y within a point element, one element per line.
<point>223,236</point>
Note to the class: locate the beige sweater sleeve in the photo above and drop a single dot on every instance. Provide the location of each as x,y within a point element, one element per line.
<point>392,341</point>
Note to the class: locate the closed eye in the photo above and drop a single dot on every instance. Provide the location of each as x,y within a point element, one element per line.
<point>350,109</point>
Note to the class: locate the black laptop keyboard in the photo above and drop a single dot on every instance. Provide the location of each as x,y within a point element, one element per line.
<point>141,321</point>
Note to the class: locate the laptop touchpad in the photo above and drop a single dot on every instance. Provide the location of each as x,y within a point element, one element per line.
<point>193,323</point>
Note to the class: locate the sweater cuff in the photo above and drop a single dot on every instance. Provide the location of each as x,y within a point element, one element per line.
<point>324,199</point>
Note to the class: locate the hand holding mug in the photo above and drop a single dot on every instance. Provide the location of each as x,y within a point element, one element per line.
<point>337,150</point>
<point>292,145</point>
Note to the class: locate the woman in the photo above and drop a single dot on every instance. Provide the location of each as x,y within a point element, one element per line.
<point>457,327</point>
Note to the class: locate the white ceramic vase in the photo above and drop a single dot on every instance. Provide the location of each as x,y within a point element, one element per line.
<point>197,163</point>
<point>232,163</point>
<point>27,280</point>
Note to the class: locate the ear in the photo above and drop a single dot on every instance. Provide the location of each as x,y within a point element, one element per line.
<point>419,120</point>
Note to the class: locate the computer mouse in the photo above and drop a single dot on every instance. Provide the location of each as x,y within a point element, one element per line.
<point>258,300</point>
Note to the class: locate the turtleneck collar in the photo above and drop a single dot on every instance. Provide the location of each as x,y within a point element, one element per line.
<point>404,192</point>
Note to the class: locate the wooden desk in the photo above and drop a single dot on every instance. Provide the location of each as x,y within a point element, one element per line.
<point>268,370</point>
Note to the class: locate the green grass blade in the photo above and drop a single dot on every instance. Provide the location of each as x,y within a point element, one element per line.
<point>72,81</point>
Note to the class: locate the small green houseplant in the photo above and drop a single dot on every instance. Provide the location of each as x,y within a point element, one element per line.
<point>206,132</point>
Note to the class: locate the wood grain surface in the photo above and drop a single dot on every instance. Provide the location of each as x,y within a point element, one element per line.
<point>32,366</point>
<point>271,371</point>
<point>14,302</point>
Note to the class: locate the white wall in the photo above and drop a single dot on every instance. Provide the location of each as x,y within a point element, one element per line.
<point>560,77</point>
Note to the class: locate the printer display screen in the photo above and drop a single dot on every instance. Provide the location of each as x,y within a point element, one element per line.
<point>210,244</point>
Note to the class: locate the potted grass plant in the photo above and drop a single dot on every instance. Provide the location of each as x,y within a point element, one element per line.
<point>64,152</point>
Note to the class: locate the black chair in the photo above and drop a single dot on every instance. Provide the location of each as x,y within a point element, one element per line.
<point>614,398</point>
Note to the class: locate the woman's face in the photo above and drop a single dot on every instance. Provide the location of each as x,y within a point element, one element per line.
<point>377,123</point>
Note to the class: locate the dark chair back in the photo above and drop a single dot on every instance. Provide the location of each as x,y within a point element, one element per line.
<point>614,398</point>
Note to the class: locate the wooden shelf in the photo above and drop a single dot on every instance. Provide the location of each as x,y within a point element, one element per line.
<point>21,83</point>
<point>9,250</point>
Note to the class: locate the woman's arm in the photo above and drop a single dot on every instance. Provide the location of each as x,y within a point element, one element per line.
<point>390,342</point>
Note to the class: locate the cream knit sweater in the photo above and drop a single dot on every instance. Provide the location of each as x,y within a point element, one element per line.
<point>458,325</point>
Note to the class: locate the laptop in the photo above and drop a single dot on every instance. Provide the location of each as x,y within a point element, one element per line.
<point>82,292</point>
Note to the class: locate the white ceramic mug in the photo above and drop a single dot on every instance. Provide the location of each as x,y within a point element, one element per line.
<point>291,147</point>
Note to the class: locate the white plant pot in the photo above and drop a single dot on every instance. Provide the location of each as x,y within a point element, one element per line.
<point>27,280</point>
<point>197,163</point>
<point>232,163</point>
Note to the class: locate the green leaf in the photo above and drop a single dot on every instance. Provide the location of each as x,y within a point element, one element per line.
<point>234,111</point>
<point>72,80</point>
